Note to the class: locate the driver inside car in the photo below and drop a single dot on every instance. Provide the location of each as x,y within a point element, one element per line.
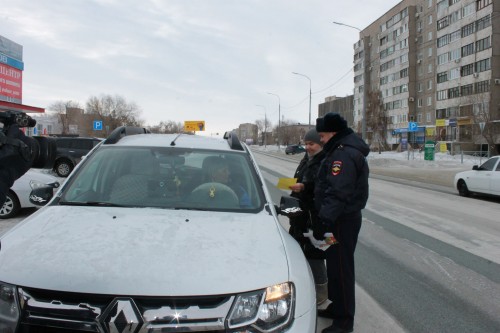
<point>217,171</point>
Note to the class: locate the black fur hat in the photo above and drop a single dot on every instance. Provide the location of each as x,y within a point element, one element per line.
<point>331,122</point>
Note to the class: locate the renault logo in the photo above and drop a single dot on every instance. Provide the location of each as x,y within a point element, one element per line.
<point>122,316</point>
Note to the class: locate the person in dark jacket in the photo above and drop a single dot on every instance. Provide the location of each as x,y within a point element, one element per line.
<point>341,193</point>
<point>304,191</point>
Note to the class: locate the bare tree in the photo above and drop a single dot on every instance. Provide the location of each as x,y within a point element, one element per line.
<point>114,111</point>
<point>482,117</point>
<point>60,108</point>
<point>263,126</point>
<point>168,126</point>
<point>376,120</point>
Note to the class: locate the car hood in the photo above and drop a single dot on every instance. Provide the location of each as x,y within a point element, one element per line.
<point>144,251</point>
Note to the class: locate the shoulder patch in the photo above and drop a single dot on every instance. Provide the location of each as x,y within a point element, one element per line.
<point>336,167</point>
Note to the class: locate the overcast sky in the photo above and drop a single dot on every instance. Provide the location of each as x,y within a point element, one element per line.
<point>211,60</point>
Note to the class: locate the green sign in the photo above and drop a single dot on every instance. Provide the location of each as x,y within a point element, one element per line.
<point>429,151</point>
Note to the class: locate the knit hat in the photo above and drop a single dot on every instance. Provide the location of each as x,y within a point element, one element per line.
<point>331,122</point>
<point>312,135</point>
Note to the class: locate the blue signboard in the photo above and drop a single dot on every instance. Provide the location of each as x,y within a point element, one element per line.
<point>97,125</point>
<point>452,122</point>
<point>5,59</point>
<point>412,126</point>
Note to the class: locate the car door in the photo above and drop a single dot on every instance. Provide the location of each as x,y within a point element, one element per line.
<point>481,179</point>
<point>495,179</point>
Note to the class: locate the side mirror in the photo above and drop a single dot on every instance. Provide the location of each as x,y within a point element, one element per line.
<point>41,195</point>
<point>289,206</point>
<point>475,167</point>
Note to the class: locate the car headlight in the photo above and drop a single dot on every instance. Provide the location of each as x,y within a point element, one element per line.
<point>9,308</point>
<point>263,311</point>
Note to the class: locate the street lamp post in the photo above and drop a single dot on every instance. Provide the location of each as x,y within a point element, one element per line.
<point>363,111</point>
<point>310,93</point>
<point>279,117</point>
<point>265,124</point>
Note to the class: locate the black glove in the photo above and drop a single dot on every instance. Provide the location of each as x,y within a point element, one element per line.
<point>319,230</point>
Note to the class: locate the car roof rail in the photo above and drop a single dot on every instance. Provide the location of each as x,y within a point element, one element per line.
<point>232,139</point>
<point>122,131</point>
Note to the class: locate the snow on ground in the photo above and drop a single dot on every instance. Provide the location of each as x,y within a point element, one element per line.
<point>411,159</point>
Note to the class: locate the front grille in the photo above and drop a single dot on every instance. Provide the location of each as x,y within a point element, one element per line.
<point>45,311</point>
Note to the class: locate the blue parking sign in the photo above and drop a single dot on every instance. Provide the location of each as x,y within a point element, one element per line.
<point>412,126</point>
<point>97,125</point>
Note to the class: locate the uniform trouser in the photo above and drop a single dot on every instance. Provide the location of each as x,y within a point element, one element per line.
<point>340,270</point>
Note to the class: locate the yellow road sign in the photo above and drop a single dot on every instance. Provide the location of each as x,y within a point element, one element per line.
<point>194,125</point>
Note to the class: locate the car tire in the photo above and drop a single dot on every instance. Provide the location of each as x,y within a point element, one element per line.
<point>463,190</point>
<point>63,168</point>
<point>11,206</point>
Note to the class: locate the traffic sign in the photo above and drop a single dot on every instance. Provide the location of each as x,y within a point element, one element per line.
<point>97,125</point>
<point>412,126</point>
<point>197,125</point>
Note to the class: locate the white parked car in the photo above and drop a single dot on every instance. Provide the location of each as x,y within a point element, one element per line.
<point>483,179</point>
<point>18,195</point>
<point>151,233</point>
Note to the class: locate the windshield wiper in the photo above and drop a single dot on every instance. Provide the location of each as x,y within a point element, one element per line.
<point>90,203</point>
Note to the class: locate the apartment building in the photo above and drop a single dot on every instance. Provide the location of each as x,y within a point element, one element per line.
<point>341,105</point>
<point>429,70</point>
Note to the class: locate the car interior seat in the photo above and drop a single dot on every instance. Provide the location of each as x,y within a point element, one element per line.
<point>132,187</point>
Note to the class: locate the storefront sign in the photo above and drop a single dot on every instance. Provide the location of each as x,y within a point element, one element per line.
<point>11,82</point>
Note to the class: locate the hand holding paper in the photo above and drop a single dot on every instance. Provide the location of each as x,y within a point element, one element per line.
<point>285,183</point>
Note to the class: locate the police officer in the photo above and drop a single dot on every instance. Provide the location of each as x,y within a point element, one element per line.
<point>340,194</point>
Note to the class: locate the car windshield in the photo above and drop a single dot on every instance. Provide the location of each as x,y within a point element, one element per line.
<point>172,178</point>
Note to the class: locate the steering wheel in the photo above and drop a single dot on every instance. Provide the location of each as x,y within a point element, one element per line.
<point>214,195</point>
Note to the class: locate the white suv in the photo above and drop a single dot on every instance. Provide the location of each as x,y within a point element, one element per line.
<point>157,233</point>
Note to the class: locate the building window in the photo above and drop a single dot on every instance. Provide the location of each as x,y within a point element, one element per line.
<point>483,44</point>
<point>482,65</point>
<point>483,22</point>
<point>442,95</point>
<point>429,36</point>
<point>480,4</point>
<point>419,103</point>
<point>468,29</point>
<point>455,35</point>
<point>454,92</point>
<point>467,70</point>
<point>403,73</point>
<point>429,68</point>
<point>443,23</point>
<point>443,58</point>
<point>429,101</point>
<point>481,87</point>
<point>466,90</point>
<point>429,85</point>
<point>444,40</point>
<point>454,73</point>
<point>420,87</point>
<point>442,77</point>
<point>430,19</point>
<point>428,117</point>
<point>468,10</point>
<point>467,49</point>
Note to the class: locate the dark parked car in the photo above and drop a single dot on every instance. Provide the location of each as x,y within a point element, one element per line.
<point>294,149</point>
<point>70,151</point>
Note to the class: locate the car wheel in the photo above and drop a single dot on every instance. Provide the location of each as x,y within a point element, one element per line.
<point>11,206</point>
<point>63,168</point>
<point>463,190</point>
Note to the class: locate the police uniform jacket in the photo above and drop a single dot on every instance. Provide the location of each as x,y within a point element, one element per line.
<point>342,186</point>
